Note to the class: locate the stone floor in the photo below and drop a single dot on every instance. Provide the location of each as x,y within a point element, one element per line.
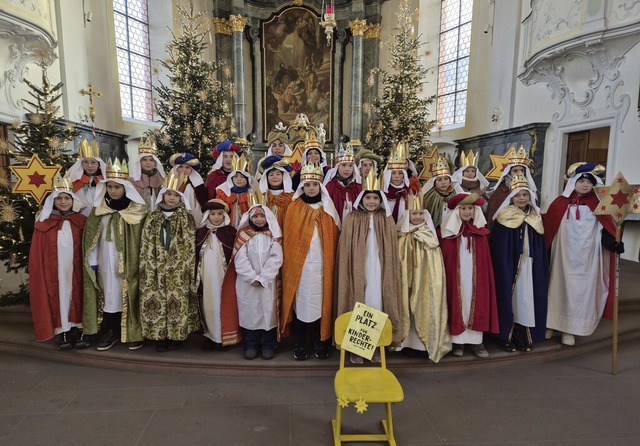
<point>572,401</point>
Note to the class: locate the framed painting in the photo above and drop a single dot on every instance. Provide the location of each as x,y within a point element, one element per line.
<point>297,67</point>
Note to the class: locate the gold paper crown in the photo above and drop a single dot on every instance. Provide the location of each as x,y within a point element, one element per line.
<point>253,199</point>
<point>415,202</point>
<point>240,163</point>
<point>117,170</point>
<point>518,181</point>
<point>469,160</point>
<point>86,150</point>
<point>311,141</point>
<point>311,172</point>
<point>371,182</point>
<point>62,184</point>
<point>345,155</point>
<point>441,168</point>
<point>147,146</point>
<point>520,158</point>
<point>398,157</point>
<point>174,181</point>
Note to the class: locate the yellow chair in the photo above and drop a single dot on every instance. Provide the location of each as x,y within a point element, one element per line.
<point>371,384</point>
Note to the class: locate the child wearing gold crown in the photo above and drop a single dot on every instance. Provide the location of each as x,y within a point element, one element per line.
<point>438,190</point>
<point>312,228</point>
<point>471,293</point>
<point>521,268</point>
<point>194,190</point>
<point>368,261</point>
<point>111,248</point>
<point>236,189</point>
<point>147,173</point>
<point>168,305</point>
<point>86,173</point>
<point>583,247</point>
<point>397,187</point>
<point>214,245</point>
<point>55,268</point>
<point>469,177</point>
<point>424,294</point>
<point>343,182</point>
<point>313,154</point>
<point>253,272</point>
<point>519,163</point>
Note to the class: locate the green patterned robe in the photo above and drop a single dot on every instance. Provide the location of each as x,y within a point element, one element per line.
<point>168,304</point>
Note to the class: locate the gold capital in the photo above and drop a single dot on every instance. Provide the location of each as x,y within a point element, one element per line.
<point>358,26</point>
<point>222,26</point>
<point>373,31</point>
<point>237,23</point>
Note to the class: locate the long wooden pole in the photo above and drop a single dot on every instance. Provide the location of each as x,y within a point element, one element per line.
<point>614,356</point>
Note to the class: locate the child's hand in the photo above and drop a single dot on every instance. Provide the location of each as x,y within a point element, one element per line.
<point>256,284</point>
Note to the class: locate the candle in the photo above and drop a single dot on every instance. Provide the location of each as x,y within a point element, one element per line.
<point>329,8</point>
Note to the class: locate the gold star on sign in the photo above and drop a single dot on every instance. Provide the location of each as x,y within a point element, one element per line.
<point>498,163</point>
<point>35,178</point>
<point>428,161</point>
<point>617,199</point>
<point>361,406</point>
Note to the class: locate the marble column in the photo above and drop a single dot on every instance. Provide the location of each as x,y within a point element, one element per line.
<point>358,28</point>
<point>338,60</point>
<point>238,24</point>
<point>258,107</point>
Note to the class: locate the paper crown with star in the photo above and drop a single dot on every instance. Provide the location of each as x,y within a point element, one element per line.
<point>174,181</point>
<point>311,172</point>
<point>398,157</point>
<point>442,167</point>
<point>345,155</point>
<point>117,170</point>
<point>88,150</point>
<point>521,157</point>
<point>311,141</point>
<point>147,146</point>
<point>469,159</point>
<point>62,184</point>
<point>519,181</point>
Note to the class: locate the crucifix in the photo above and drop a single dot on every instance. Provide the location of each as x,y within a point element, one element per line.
<point>91,93</point>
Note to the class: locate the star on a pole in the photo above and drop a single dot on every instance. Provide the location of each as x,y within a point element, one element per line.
<point>428,161</point>
<point>498,163</point>
<point>295,159</point>
<point>35,178</point>
<point>617,199</point>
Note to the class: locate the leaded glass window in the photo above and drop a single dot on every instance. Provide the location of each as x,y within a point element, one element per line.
<point>134,60</point>
<point>453,61</point>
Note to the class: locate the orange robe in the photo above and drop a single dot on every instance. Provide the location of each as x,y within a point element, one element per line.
<point>300,221</point>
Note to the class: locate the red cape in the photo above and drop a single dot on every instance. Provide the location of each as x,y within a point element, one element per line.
<point>552,219</point>
<point>484,306</point>
<point>43,274</point>
<point>215,179</point>
<point>338,193</point>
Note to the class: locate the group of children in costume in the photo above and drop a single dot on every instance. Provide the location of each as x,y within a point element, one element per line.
<point>252,259</point>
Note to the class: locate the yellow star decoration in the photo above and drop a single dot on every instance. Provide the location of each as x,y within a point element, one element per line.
<point>35,178</point>
<point>498,163</point>
<point>295,159</point>
<point>428,161</point>
<point>343,401</point>
<point>361,406</point>
<point>617,199</point>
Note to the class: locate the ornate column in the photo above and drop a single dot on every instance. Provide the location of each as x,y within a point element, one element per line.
<point>338,60</point>
<point>258,106</point>
<point>371,62</point>
<point>239,106</point>
<point>358,28</point>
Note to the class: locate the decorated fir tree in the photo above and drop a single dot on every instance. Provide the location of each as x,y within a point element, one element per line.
<point>41,134</point>
<point>194,108</point>
<point>400,112</point>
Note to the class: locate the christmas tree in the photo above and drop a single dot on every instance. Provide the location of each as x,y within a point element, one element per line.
<point>194,109</point>
<point>42,134</point>
<point>400,113</point>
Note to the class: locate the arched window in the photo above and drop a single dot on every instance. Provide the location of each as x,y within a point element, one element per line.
<point>453,61</point>
<point>134,61</point>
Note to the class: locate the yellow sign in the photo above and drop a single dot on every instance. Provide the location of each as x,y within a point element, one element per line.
<point>364,330</point>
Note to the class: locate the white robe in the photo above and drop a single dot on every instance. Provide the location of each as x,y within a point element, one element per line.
<point>260,260</point>
<point>523,298</point>
<point>105,255</point>
<point>88,195</point>
<point>65,276</point>
<point>465,276</point>
<point>190,197</point>
<point>373,276</point>
<point>212,269</point>
<point>308,301</point>
<point>579,278</point>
